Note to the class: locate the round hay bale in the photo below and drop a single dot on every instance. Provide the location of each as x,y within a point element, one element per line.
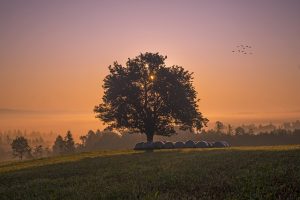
<point>148,145</point>
<point>189,144</point>
<point>226,143</point>
<point>168,145</point>
<point>202,144</point>
<point>158,145</point>
<point>211,144</point>
<point>219,144</point>
<point>179,145</point>
<point>139,146</point>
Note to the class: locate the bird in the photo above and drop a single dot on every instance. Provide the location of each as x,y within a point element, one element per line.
<point>243,49</point>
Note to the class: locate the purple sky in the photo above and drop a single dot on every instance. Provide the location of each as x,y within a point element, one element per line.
<point>54,54</point>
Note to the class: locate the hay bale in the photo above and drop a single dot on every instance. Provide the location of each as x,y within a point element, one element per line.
<point>179,145</point>
<point>219,144</point>
<point>211,144</point>
<point>139,146</point>
<point>158,145</point>
<point>168,145</point>
<point>148,145</point>
<point>189,144</point>
<point>202,144</point>
<point>226,143</point>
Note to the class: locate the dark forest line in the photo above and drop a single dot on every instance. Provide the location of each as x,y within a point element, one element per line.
<point>245,135</point>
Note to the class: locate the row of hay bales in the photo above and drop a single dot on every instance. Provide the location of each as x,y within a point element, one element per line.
<point>178,145</point>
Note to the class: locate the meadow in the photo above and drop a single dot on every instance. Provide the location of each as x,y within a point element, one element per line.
<point>271,172</point>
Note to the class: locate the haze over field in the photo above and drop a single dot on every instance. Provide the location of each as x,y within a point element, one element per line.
<point>54,56</point>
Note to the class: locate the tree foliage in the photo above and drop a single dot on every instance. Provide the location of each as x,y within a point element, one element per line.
<point>148,97</point>
<point>59,145</point>
<point>20,147</point>
<point>63,146</point>
<point>240,131</point>
<point>38,151</point>
<point>69,143</point>
<point>219,126</point>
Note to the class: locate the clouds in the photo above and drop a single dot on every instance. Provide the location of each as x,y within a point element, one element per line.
<point>7,111</point>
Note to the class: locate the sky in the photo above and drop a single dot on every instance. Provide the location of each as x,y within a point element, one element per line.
<point>54,56</point>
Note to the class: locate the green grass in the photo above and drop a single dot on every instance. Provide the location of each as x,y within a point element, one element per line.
<point>232,173</point>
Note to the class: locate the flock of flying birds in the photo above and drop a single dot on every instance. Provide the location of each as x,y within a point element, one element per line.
<point>243,49</point>
<point>246,50</point>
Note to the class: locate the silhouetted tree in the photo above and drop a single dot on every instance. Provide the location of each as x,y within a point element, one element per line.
<point>240,131</point>
<point>219,126</point>
<point>91,139</point>
<point>38,151</point>
<point>83,140</point>
<point>250,131</point>
<point>59,145</point>
<point>296,124</point>
<point>229,130</point>
<point>69,143</point>
<point>20,147</point>
<point>148,97</point>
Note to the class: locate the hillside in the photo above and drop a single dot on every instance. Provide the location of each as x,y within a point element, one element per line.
<point>232,173</point>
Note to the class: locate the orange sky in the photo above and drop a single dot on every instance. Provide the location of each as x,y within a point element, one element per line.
<point>54,56</point>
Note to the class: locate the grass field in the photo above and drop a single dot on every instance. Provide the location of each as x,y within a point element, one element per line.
<point>232,173</point>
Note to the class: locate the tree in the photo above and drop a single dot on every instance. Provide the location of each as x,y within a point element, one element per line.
<point>66,145</point>
<point>229,129</point>
<point>240,131</point>
<point>38,151</point>
<point>59,145</point>
<point>219,126</point>
<point>69,143</point>
<point>91,139</point>
<point>20,147</point>
<point>148,97</point>
<point>83,140</point>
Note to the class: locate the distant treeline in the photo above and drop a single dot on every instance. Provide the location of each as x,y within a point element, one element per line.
<point>275,137</point>
<point>35,140</point>
<point>109,140</point>
<point>245,135</point>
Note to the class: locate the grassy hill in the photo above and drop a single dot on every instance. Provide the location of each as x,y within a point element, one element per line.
<point>232,173</point>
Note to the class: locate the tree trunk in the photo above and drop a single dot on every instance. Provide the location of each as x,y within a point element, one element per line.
<point>150,135</point>
<point>149,128</point>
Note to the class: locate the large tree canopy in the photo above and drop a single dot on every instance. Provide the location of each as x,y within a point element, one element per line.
<point>148,97</point>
